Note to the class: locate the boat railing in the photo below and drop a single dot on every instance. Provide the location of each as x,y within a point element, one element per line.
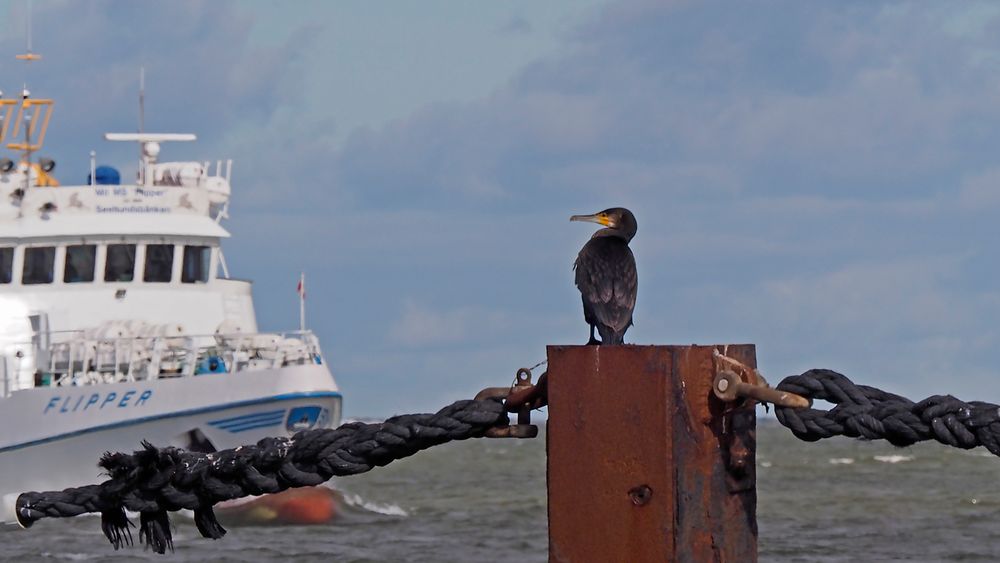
<point>77,358</point>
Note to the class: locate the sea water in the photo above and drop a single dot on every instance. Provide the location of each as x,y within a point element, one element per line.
<point>484,501</point>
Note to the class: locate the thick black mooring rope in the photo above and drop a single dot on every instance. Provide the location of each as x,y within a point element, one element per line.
<point>154,481</point>
<point>873,414</point>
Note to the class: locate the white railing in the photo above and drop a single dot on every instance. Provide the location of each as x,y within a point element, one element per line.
<point>6,375</point>
<point>74,358</point>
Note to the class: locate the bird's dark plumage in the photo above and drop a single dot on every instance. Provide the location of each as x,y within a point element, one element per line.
<point>606,275</point>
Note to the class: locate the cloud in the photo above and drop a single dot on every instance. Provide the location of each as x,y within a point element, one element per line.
<point>815,179</point>
<point>981,190</point>
<point>204,74</point>
<point>909,295</point>
<point>421,326</point>
<point>517,25</point>
<point>694,99</point>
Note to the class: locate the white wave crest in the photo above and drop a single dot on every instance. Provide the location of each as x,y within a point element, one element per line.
<point>387,509</point>
<point>842,460</point>
<point>765,464</point>
<point>893,458</point>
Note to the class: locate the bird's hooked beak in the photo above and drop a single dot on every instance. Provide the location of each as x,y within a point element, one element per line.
<point>599,218</point>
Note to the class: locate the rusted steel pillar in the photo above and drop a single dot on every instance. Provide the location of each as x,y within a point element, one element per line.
<point>644,462</point>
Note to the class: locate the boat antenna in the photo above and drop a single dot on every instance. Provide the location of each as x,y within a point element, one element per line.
<point>142,120</point>
<point>142,98</point>
<point>27,57</point>
<point>28,20</point>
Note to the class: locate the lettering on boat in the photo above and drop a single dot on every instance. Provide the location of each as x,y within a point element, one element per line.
<point>79,402</point>
<point>136,191</point>
<point>132,209</point>
<point>115,191</point>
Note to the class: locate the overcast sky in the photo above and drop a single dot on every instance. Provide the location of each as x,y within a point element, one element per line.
<point>820,179</point>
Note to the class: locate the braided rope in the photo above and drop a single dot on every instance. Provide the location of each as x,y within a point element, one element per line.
<point>154,481</point>
<point>873,414</point>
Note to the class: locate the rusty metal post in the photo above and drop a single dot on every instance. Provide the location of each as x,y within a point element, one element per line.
<point>644,462</point>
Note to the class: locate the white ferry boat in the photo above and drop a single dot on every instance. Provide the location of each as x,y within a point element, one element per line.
<point>119,321</point>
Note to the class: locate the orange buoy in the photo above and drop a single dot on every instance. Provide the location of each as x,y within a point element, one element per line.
<point>302,506</point>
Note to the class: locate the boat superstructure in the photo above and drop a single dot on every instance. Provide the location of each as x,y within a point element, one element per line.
<point>119,321</point>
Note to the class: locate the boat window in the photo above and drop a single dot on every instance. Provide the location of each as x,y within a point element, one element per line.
<point>6,264</point>
<point>120,263</point>
<point>196,264</point>
<point>80,260</point>
<point>159,262</point>
<point>38,264</point>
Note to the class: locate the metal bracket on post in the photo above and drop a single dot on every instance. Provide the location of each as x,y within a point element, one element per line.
<point>728,386</point>
<point>734,382</point>
<point>522,398</point>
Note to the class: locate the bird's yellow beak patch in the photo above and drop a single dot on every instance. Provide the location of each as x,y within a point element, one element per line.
<point>599,218</point>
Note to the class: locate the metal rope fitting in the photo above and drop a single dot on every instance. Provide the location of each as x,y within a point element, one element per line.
<point>728,386</point>
<point>522,397</point>
<point>737,380</point>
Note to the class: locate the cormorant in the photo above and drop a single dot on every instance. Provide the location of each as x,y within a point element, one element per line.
<point>606,276</point>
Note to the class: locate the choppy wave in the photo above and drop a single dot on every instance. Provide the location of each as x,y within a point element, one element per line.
<point>841,460</point>
<point>387,509</point>
<point>69,556</point>
<point>893,458</point>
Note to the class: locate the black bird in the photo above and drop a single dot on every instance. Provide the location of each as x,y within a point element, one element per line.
<point>605,275</point>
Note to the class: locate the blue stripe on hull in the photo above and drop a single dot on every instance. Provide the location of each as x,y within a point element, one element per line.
<point>270,421</point>
<point>258,421</point>
<point>255,426</point>
<point>175,414</point>
<point>237,421</point>
<point>248,416</point>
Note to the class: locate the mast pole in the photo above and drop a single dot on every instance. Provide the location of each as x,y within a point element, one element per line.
<point>302,301</point>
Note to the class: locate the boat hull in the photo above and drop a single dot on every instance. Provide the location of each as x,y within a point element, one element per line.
<point>52,437</point>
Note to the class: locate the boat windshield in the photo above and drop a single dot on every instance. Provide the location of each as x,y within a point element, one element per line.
<point>197,260</point>
<point>80,260</point>
<point>38,264</point>
<point>159,262</point>
<point>120,263</point>
<point>6,264</point>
